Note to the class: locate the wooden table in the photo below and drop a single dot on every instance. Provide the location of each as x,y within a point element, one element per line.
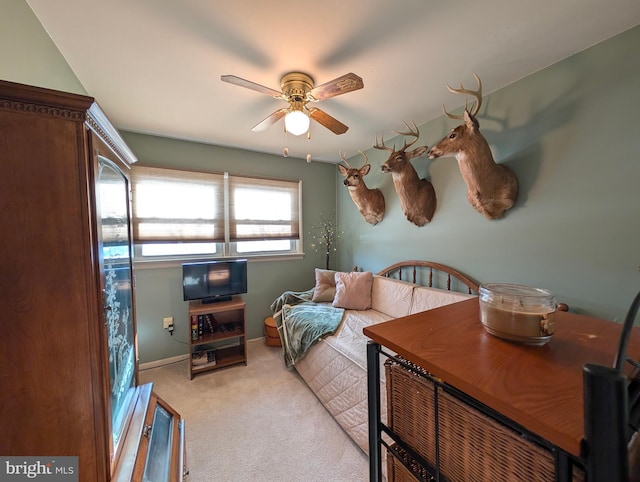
<point>537,387</point>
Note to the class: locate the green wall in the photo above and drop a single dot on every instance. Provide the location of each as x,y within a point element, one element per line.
<point>570,132</point>
<point>159,290</point>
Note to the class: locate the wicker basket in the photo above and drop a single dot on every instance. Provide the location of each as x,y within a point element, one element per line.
<point>411,409</point>
<point>399,473</point>
<point>476,447</point>
<point>472,446</point>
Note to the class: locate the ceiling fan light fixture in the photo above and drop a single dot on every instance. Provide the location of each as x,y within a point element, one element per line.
<point>298,89</point>
<point>296,122</point>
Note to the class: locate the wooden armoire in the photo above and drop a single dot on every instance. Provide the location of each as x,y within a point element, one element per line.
<point>68,348</point>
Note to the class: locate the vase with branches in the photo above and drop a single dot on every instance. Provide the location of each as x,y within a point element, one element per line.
<point>324,237</point>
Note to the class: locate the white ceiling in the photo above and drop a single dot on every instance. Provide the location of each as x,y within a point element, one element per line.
<point>155,65</point>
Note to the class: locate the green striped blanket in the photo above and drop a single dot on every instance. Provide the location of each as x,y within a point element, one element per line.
<point>302,323</point>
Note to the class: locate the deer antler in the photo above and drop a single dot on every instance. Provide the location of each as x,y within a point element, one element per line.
<point>344,159</point>
<point>366,158</point>
<point>383,147</point>
<point>475,93</point>
<point>411,132</point>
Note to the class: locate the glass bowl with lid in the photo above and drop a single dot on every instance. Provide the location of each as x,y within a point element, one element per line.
<point>517,313</point>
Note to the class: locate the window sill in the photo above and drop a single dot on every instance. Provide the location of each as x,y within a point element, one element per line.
<point>175,262</point>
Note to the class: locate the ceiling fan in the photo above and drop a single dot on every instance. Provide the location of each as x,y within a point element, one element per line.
<point>298,89</point>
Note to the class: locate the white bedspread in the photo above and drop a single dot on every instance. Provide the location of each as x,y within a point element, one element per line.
<point>335,368</point>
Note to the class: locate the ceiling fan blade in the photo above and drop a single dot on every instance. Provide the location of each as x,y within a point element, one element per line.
<point>232,79</point>
<point>269,121</point>
<point>331,123</point>
<point>341,85</point>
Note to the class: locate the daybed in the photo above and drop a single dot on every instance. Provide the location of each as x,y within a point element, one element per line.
<point>331,355</point>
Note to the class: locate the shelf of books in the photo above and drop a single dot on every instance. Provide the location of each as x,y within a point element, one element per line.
<point>217,337</point>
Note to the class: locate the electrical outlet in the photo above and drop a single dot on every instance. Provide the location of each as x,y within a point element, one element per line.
<point>167,322</point>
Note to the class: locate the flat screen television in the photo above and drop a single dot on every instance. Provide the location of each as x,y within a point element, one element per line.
<point>213,281</point>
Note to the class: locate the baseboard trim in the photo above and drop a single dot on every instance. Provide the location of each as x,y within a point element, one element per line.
<point>176,359</point>
<point>163,362</point>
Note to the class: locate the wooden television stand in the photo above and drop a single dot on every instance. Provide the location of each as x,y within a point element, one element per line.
<point>221,327</point>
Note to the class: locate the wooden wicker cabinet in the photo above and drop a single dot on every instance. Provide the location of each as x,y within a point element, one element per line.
<point>465,405</point>
<point>470,445</point>
<point>68,355</point>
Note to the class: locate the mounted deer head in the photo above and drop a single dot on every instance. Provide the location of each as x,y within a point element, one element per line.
<point>491,188</point>
<point>370,202</point>
<point>417,196</point>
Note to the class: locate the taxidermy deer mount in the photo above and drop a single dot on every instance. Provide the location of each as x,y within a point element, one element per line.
<point>491,188</point>
<point>370,202</point>
<point>417,196</point>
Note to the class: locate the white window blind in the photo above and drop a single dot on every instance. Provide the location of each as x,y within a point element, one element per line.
<point>177,206</point>
<point>263,209</point>
<point>184,213</point>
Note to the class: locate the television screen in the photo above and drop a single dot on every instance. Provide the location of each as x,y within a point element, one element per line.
<point>214,280</point>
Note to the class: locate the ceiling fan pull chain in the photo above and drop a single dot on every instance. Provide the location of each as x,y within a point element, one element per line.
<point>285,153</point>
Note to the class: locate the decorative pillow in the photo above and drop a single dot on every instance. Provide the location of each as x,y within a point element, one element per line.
<point>353,290</point>
<point>325,288</point>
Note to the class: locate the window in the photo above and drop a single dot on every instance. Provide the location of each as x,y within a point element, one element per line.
<point>263,215</point>
<point>183,214</point>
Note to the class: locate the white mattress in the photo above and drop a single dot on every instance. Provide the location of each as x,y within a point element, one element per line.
<point>335,369</point>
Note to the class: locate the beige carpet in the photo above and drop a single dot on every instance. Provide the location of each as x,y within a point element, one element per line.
<point>258,422</point>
